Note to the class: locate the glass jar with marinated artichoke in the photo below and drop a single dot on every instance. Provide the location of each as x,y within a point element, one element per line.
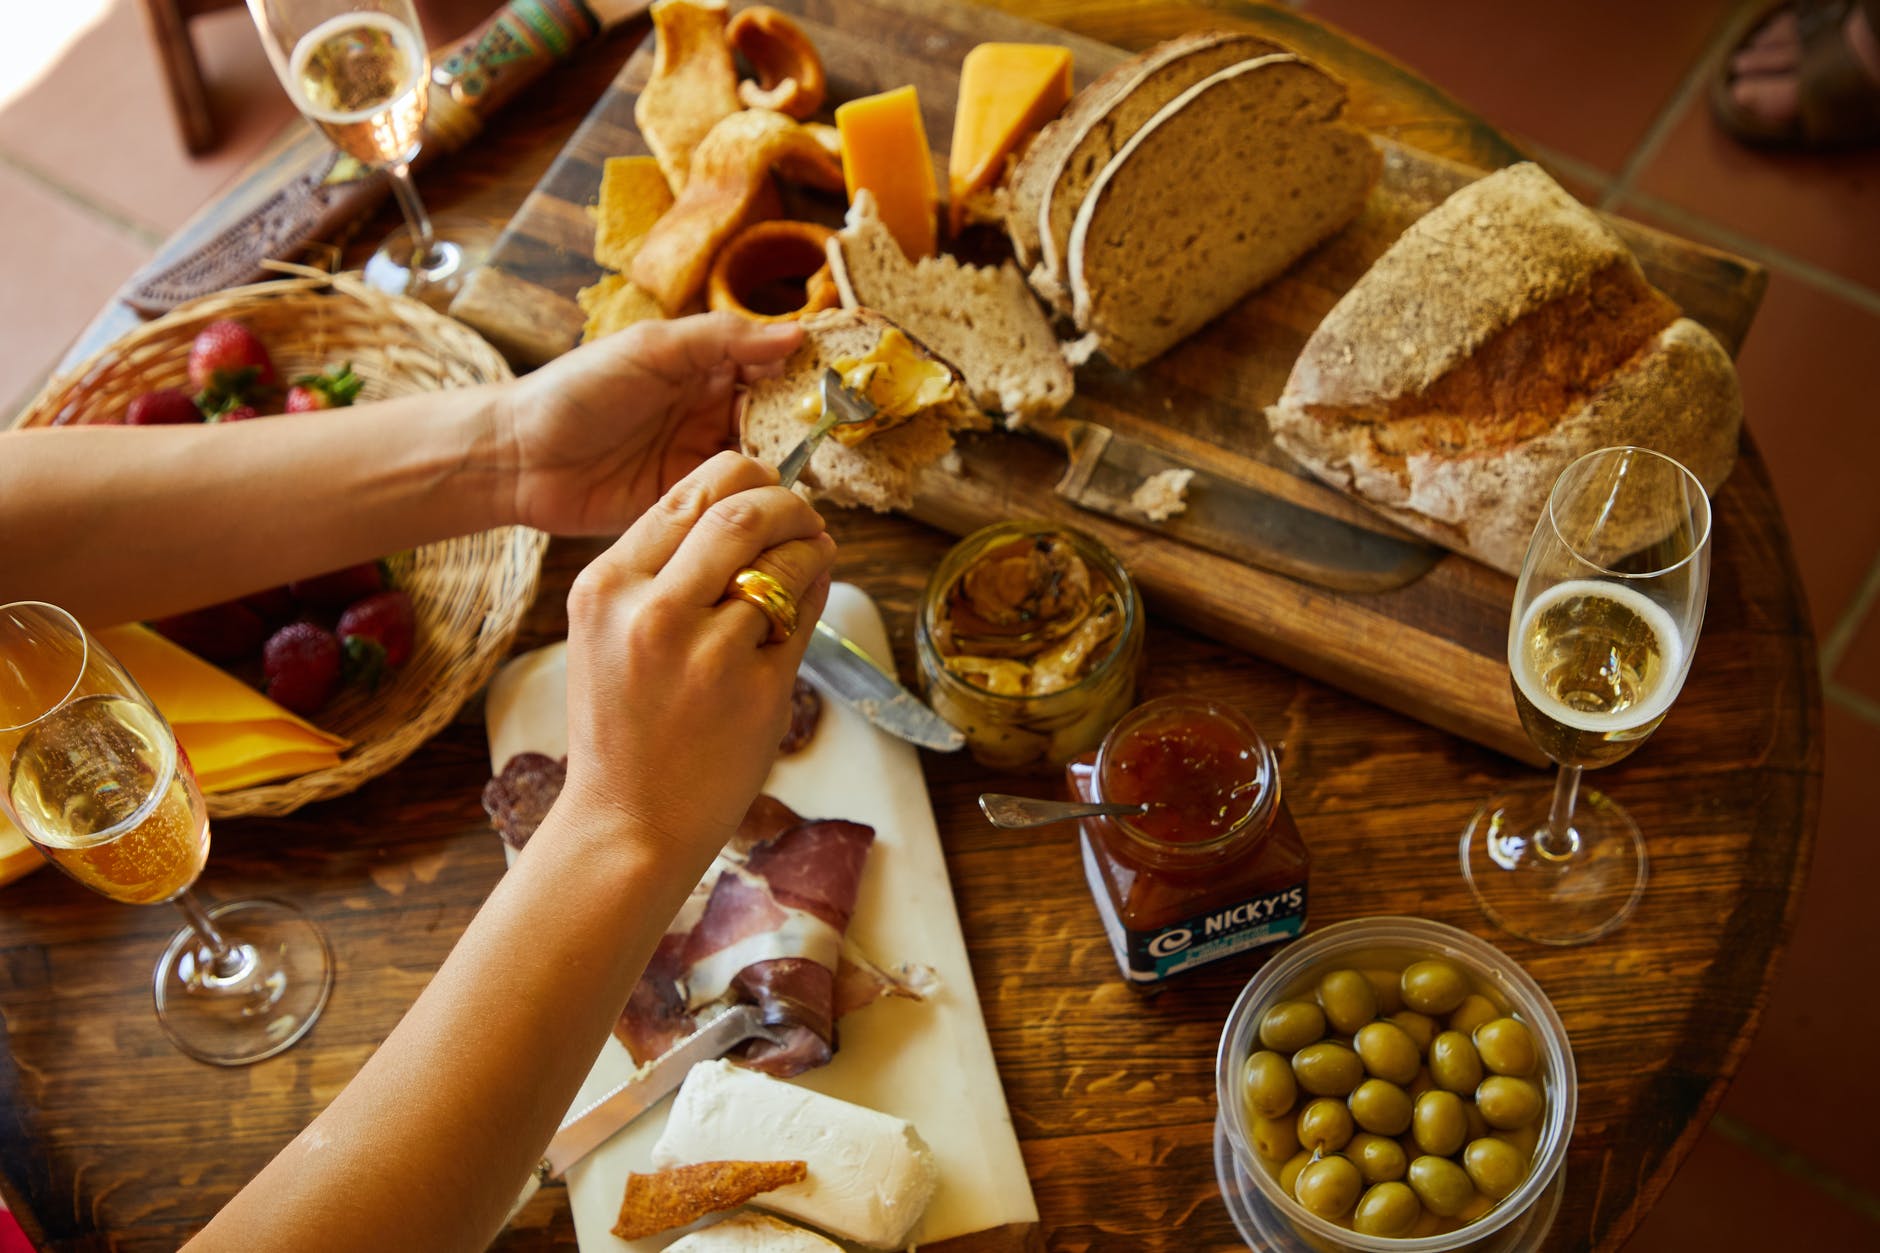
<point>1029,641</point>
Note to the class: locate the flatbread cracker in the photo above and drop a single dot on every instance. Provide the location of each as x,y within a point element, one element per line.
<point>613,304</point>
<point>683,1194</point>
<point>633,196</point>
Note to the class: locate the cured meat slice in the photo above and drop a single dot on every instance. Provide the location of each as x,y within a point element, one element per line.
<point>519,798</point>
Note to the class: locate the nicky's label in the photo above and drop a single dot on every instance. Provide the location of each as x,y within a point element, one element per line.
<point>1153,955</point>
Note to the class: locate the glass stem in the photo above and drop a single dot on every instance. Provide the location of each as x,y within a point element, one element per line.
<point>1557,842</point>
<point>226,959</point>
<point>416,218</point>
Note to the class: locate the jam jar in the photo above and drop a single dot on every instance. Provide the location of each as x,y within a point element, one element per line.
<point>1029,640</point>
<point>1214,866</point>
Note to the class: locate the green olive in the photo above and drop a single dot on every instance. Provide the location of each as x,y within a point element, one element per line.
<point>1348,1000</point>
<point>1421,1028</point>
<point>1388,1052</point>
<point>1526,1139</point>
<point>1508,1103</point>
<point>1289,1173</point>
<point>1380,1107</point>
<point>1506,1046</point>
<point>1291,1025</point>
<point>1438,1123</point>
<point>1271,1088</point>
<point>1441,1185</point>
<point>1329,1187</point>
<point>1327,1068</point>
<point>1434,986</point>
<point>1378,1158</point>
<point>1275,1139</point>
<point>1478,1125</point>
<point>1384,987</point>
<point>1324,1124</point>
<point>1472,1209</point>
<point>1475,1010</point>
<point>1421,1084</point>
<point>1495,1167</point>
<point>1453,1062</point>
<point>1387,1209</point>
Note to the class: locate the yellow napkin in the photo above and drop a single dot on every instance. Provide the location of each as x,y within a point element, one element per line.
<point>233,734</point>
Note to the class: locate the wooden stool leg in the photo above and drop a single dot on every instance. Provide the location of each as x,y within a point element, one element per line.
<point>182,75</point>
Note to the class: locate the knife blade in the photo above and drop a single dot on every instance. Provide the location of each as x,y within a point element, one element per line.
<point>842,668</point>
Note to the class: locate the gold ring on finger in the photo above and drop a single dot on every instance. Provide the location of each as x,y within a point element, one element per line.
<point>772,597</point>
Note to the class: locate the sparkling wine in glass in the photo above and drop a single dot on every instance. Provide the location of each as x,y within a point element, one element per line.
<point>94,777</point>
<point>360,71</point>
<point>1605,620</point>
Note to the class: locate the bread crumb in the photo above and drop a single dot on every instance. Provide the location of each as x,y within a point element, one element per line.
<point>1161,496</point>
<point>951,463</point>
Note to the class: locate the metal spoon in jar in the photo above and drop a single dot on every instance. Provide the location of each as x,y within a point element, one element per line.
<point>1015,813</point>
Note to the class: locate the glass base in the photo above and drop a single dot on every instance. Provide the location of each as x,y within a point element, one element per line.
<point>1560,897</point>
<point>458,246</point>
<point>267,998</point>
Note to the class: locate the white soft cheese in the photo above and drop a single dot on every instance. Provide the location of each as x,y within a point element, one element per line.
<point>870,1174</point>
<point>753,1233</point>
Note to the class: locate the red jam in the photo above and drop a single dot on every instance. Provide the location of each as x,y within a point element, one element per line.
<point>1216,867</point>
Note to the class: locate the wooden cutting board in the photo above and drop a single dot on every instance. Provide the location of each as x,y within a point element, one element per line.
<point>1435,649</point>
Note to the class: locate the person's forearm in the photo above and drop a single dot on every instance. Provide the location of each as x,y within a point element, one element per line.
<point>427,1147</point>
<point>119,523</point>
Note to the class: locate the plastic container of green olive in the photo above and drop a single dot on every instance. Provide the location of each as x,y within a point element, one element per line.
<point>1400,941</point>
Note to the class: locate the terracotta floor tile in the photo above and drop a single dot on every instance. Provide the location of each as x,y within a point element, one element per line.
<point>100,123</point>
<point>1821,209</point>
<point>61,264</point>
<point>1554,73</point>
<point>1809,401</point>
<point>1727,1199</point>
<point>1812,1060</point>
<point>1859,668</point>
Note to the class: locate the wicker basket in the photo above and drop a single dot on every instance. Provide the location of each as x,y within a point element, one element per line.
<point>470,593</point>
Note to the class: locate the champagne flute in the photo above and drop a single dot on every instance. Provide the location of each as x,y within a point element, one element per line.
<point>360,71</point>
<point>94,777</point>
<point>1606,617</point>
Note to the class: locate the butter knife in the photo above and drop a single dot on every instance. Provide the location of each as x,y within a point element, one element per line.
<point>842,668</point>
<point>591,1126</point>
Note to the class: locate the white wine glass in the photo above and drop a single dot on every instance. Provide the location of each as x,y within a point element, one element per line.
<point>95,779</point>
<point>1606,617</point>
<point>360,71</point>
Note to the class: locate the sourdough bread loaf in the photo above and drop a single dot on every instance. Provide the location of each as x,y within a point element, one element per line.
<point>1505,333</point>
<point>877,473</point>
<point>1229,184</point>
<point>982,319</point>
<point>1048,185</point>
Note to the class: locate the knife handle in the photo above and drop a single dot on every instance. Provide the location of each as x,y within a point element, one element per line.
<point>482,71</point>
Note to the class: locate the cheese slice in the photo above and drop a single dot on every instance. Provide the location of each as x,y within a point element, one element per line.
<point>1007,91</point>
<point>884,148</point>
<point>753,1233</point>
<point>870,1173</point>
<point>634,194</point>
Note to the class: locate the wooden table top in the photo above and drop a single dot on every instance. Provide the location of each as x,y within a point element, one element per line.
<point>109,1139</point>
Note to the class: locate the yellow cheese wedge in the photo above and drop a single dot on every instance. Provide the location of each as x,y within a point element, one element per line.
<point>884,148</point>
<point>1007,91</point>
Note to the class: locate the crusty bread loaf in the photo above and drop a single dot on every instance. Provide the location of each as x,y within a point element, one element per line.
<point>1228,185</point>
<point>1505,333</point>
<point>878,472</point>
<point>982,319</point>
<point>1120,104</point>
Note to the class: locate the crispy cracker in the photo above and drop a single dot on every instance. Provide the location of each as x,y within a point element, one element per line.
<point>613,304</point>
<point>633,196</point>
<point>682,1194</point>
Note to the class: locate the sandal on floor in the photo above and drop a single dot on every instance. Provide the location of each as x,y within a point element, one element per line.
<point>1837,102</point>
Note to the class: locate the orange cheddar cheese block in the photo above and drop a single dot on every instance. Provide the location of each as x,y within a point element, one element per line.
<point>1007,91</point>
<point>884,148</point>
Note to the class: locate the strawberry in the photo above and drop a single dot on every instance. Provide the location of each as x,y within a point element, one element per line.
<point>339,587</point>
<point>228,366</point>
<point>234,413</point>
<point>377,635</point>
<point>324,391</point>
<point>302,662</point>
<point>167,406</point>
<point>226,632</point>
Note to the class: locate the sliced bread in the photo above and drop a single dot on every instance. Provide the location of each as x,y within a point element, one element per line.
<point>1506,332</point>
<point>983,320</point>
<point>1228,185</point>
<point>877,473</point>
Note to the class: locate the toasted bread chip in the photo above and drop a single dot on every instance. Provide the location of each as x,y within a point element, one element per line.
<point>694,83</point>
<point>682,1194</point>
<point>613,304</point>
<point>633,196</point>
